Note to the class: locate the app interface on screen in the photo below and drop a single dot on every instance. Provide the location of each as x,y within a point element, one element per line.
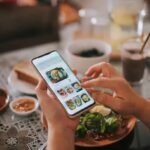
<point>63,82</point>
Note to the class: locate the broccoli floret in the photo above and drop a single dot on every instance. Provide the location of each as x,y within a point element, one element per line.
<point>92,121</point>
<point>112,124</point>
<point>81,131</point>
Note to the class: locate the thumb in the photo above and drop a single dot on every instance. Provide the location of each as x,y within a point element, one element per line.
<point>41,92</point>
<point>100,82</point>
<point>41,88</point>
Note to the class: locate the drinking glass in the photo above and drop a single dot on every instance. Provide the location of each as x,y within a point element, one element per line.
<point>133,62</point>
<point>124,15</point>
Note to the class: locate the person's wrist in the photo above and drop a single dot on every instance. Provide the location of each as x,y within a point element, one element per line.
<point>60,137</point>
<point>62,132</point>
<point>60,128</point>
<point>139,107</point>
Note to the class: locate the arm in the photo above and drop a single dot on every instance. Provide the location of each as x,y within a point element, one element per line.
<point>125,101</point>
<point>61,128</point>
<point>60,138</point>
<point>143,111</point>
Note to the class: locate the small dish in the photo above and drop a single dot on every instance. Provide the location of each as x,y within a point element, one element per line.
<point>24,105</point>
<point>4,99</point>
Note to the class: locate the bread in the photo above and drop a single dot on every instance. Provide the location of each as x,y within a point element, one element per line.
<point>26,72</point>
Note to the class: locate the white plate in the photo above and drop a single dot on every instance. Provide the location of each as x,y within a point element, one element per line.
<point>20,85</point>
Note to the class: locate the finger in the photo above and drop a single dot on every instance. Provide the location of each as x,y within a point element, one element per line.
<point>93,69</point>
<point>52,98</point>
<point>41,86</point>
<point>95,75</point>
<point>44,121</point>
<point>41,92</point>
<point>50,94</point>
<point>98,68</point>
<point>100,82</point>
<point>86,78</point>
<point>90,90</point>
<point>75,71</point>
<point>107,100</point>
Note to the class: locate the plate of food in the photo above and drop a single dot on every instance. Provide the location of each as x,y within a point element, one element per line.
<point>101,127</point>
<point>24,78</point>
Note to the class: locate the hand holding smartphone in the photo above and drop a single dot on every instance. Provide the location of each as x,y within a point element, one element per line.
<point>63,83</point>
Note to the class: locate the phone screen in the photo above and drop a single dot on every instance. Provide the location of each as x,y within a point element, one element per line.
<point>62,81</point>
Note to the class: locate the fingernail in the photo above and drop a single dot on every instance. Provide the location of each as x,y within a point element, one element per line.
<point>86,73</point>
<point>83,84</point>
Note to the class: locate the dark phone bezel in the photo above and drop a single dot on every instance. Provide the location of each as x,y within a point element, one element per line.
<point>51,88</point>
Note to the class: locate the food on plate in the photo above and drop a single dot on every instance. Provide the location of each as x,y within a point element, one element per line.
<point>99,124</point>
<point>26,72</point>
<point>3,97</point>
<point>101,109</point>
<point>24,105</point>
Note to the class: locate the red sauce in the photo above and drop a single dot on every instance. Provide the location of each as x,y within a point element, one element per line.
<point>3,97</point>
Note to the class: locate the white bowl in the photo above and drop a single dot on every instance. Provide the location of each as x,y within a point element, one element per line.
<point>83,63</point>
<point>24,113</point>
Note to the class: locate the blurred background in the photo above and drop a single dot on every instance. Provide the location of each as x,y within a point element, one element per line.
<point>26,23</point>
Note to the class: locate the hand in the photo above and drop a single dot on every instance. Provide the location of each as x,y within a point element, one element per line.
<point>126,101</point>
<point>104,69</point>
<point>55,114</point>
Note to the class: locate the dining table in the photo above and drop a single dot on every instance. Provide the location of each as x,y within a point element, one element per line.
<point>27,133</point>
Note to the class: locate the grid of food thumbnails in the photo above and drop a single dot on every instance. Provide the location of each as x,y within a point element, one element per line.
<point>77,96</point>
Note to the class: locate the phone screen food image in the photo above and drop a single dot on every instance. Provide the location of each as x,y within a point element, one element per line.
<point>77,86</point>
<point>62,92</point>
<point>78,101</point>
<point>71,104</point>
<point>85,97</point>
<point>56,75</point>
<point>69,89</point>
<point>63,83</point>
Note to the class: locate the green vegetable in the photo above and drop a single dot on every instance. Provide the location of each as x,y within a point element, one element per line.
<point>97,123</point>
<point>112,124</point>
<point>81,131</point>
<point>92,121</point>
<point>102,127</point>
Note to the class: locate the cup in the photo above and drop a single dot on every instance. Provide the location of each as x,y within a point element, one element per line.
<point>133,62</point>
<point>81,54</point>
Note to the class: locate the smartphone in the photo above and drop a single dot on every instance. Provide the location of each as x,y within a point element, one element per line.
<point>63,83</point>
